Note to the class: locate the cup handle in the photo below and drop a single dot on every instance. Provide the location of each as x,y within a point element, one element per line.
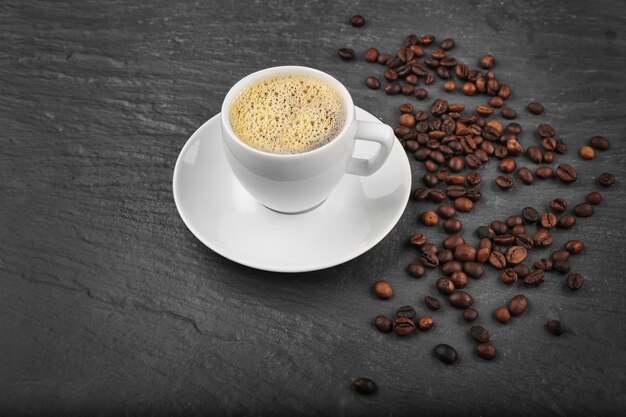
<point>372,132</point>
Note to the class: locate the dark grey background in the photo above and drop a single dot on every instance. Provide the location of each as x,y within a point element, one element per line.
<point>109,304</point>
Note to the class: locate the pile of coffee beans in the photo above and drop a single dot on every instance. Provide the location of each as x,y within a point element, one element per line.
<point>453,143</point>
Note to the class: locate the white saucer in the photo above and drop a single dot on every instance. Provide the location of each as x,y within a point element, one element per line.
<point>222,215</point>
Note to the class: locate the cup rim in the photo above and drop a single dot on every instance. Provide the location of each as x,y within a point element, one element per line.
<point>247,80</point>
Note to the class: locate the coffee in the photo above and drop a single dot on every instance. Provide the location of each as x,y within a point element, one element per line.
<point>288,114</point>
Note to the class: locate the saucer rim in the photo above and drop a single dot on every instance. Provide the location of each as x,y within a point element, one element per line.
<point>288,269</point>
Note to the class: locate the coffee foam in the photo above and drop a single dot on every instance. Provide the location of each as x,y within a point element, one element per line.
<point>288,114</point>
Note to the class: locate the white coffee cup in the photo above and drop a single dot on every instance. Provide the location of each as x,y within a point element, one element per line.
<point>295,183</point>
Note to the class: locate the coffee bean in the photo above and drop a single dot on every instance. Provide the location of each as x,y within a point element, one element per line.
<point>407,119</point>
<point>549,143</point>
<point>427,39</point>
<point>364,386</point>
<point>508,276</point>
<point>446,211</point>
<point>357,20</point>
<point>430,247</point>
<point>513,221</point>
<point>451,267</point>
<point>524,240</point>
<point>562,267</point>
<point>372,82</point>
<point>560,255</point>
<point>407,89</point>
<point>558,205</point>
<point>429,218</point>
<point>452,242</point>
<point>383,289</point>
<point>497,260</point>
<point>534,278</point>
<point>600,143</point>
<point>421,93</point>
<point>567,221</point>
<point>484,110</point>
<point>464,253</point>
<point>486,351</point>
<point>445,255</point>
<point>446,353</point>
<point>474,194</point>
<point>518,305</point>
<point>606,179</point>
<point>548,157</point>
<point>452,225</point>
<point>384,58</point>
<point>482,255</point>
<point>455,180</point>
<point>555,327</point>
<point>459,279</point>
<point>432,303</point>
<point>403,326</point>
<point>496,102</point>
<point>587,152</point>
<point>502,314</point>
<point>479,333</point>
<point>469,314</point>
<point>473,270</point>
<point>574,281</point>
<point>415,270</point>
<point>505,182</point>
<point>504,240</point>
<point>405,311</point>
<point>508,113</point>
<point>548,220</point>
<point>346,54</point>
<point>521,270</point>
<point>543,238</point>
<point>449,86</point>
<point>468,88</point>
<point>485,231</point>
<point>561,146</point>
<point>487,62</point>
<point>463,204</point>
<point>543,264</point>
<point>544,172</point>
<point>460,299</point>
<point>392,88</point>
<point>430,179</point>
<point>516,255</point>
<point>534,154</point>
<point>594,198</point>
<point>383,324</point>
<point>535,108</point>
<point>444,285</point>
<point>583,210</point>
<point>429,259</point>
<point>473,178</point>
<point>566,173</point>
<point>530,215</point>
<point>505,91</point>
<point>437,196</point>
<point>425,323</point>
<point>507,165</point>
<point>371,55</point>
<point>447,44</point>
<point>574,247</point>
<point>545,130</point>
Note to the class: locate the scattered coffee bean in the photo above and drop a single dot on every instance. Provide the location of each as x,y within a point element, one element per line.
<point>480,334</point>
<point>534,278</point>
<point>543,238</point>
<point>555,327</point>
<point>574,281</point>
<point>432,303</point>
<point>558,205</point>
<point>575,246</point>
<point>505,182</point>
<point>486,351</point>
<point>535,108</point>
<point>606,179</point>
<point>403,326</point>
<point>516,255</point>
<point>446,211</point>
<point>530,215</point>
<point>421,93</point>
<point>566,173</point>
<point>473,270</point>
<point>415,270</point>
<point>587,152</point>
<point>560,255</point>
<point>429,259</point>
<point>600,143</point>
<point>507,165</point>
<point>460,299</point>
<point>583,210</point>
<point>383,289</point>
<point>594,198</point>
<point>459,279</point>
<point>463,204</point>
<point>346,54</point>
<point>371,55</point>
<point>393,88</point>
<point>383,324</point>
<point>502,314</point>
<point>567,221</point>
<point>497,260</point>
<point>357,20</point>
<point>508,276</point>
<point>425,323</point>
<point>364,386</point>
<point>548,220</point>
<point>405,311</point>
<point>372,82</point>
<point>429,218</point>
<point>473,178</point>
<point>521,270</point>
<point>487,62</point>
<point>562,267</point>
<point>508,113</point>
<point>446,353</point>
<point>543,264</point>
<point>470,314</point>
<point>445,286</point>
<point>525,175</point>
<point>518,305</point>
<point>544,172</point>
<point>452,225</point>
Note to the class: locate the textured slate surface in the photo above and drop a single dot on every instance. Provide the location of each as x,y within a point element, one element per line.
<point>109,304</point>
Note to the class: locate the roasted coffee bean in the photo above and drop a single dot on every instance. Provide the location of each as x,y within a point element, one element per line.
<point>469,314</point>
<point>430,179</point>
<point>446,211</point>
<point>560,255</point>
<point>548,220</point>
<point>549,143</point>
<point>574,246</point>
<point>530,215</point>
<point>463,204</point>
<point>566,173</point>
<point>460,299</point>
<point>543,264</point>
<point>415,270</point>
<point>407,119</point>
<point>558,205</point>
<point>606,179</point>
<point>497,260</point>
<point>406,108</point>
<point>425,323</point>
<point>516,255</point>
<point>567,221</point>
<point>587,152</point>
<point>504,240</point>
<point>505,182</point>
<point>545,130</point>
<point>452,225</point>
<point>383,58</point>
<point>513,221</point>
<point>485,231</point>
<point>524,240</point>
<point>521,270</point>
<point>534,278</point>
<point>502,314</point>
<point>464,253</point>
<point>486,351</point>
<point>535,108</point>
<point>429,259</point>
<point>583,210</point>
<point>445,255</point>
<point>405,311</point>
<point>468,88</point>
<point>346,54</point>
<point>600,143</point>
<point>459,279</point>
<point>364,386</point>
<point>474,194</point>
<point>383,289</point>
<point>447,44</point>
<point>534,154</point>
<point>443,73</point>
<point>462,71</point>
<point>496,102</point>
<point>412,79</point>
<point>383,324</point>
<point>594,198</point>
<point>544,172</point>
<point>561,146</point>
<point>473,178</point>
<point>499,227</point>
<point>487,62</point>
<point>455,180</point>
<point>371,55</point>
<point>446,353</point>
<point>484,110</point>
<point>411,145</point>
<point>508,113</point>
<point>452,242</point>
<point>445,285</point>
<point>403,326</point>
<point>473,270</point>
<point>562,267</point>
<point>407,89</point>
<point>507,165</point>
<point>548,157</point>
<point>421,93</point>
<point>392,88</point>
<point>519,229</point>
<point>372,82</point>
<point>418,240</point>
<point>518,305</point>
<point>430,247</point>
<point>421,194</point>
<point>505,91</point>
<point>555,327</point>
<point>437,196</point>
<point>508,276</point>
<point>432,303</point>
<point>429,218</point>
<point>473,161</point>
<point>479,333</point>
<point>357,20</point>
<point>429,79</point>
<point>451,266</point>
<point>449,86</point>
<point>574,281</point>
